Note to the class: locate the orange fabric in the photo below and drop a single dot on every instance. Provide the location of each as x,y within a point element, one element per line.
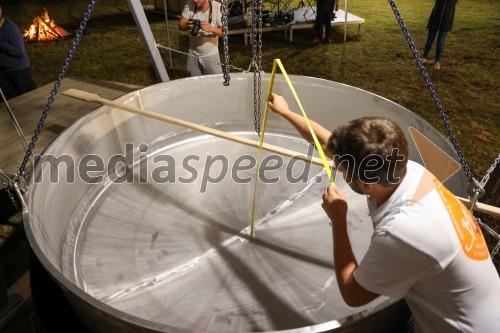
<point>467,229</point>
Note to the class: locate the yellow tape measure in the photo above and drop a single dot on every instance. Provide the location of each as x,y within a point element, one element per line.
<point>277,62</point>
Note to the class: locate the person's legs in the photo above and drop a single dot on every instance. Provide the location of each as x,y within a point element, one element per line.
<point>192,65</point>
<point>328,24</point>
<point>318,25</point>
<point>440,44</point>
<point>430,40</point>
<point>328,14</point>
<point>211,64</point>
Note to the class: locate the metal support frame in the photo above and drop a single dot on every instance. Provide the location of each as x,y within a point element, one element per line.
<point>147,36</point>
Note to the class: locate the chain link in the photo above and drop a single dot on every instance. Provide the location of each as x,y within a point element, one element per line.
<point>53,93</point>
<point>225,43</point>
<point>197,57</point>
<point>256,64</point>
<point>427,79</point>
<point>477,186</point>
<point>11,197</point>
<point>488,173</point>
<point>492,233</point>
<point>255,69</point>
<point>259,63</point>
<point>7,182</point>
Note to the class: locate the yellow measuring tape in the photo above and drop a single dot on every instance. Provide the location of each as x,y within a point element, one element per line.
<point>277,62</point>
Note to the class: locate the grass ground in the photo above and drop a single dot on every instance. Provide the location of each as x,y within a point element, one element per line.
<point>378,60</point>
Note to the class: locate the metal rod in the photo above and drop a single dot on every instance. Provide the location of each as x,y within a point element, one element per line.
<point>19,130</point>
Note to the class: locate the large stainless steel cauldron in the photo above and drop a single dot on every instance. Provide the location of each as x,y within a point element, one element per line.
<point>161,243</point>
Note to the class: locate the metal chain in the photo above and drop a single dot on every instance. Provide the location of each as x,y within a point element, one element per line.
<point>254,65</point>
<point>225,43</point>
<point>427,79</point>
<point>11,196</point>
<point>197,57</point>
<point>492,233</point>
<point>259,63</point>
<point>7,182</point>
<point>488,173</point>
<point>478,187</point>
<point>53,93</point>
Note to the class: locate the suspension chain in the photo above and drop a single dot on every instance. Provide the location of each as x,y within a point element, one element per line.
<point>477,187</point>
<point>195,56</point>
<point>492,233</point>
<point>259,62</point>
<point>53,93</point>
<point>7,183</point>
<point>256,64</point>
<point>225,68</point>
<point>11,197</point>
<point>427,79</point>
<point>488,173</point>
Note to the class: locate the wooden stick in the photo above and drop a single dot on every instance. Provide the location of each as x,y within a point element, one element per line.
<point>483,208</point>
<point>89,97</point>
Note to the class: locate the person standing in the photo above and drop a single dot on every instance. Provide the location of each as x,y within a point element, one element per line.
<point>324,15</point>
<point>430,251</point>
<point>440,22</point>
<point>15,73</point>
<point>203,18</point>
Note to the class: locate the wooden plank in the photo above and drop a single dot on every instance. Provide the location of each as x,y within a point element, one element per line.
<point>65,111</point>
<point>89,97</point>
<point>22,288</point>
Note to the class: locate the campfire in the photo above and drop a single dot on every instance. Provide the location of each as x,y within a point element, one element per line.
<point>44,29</point>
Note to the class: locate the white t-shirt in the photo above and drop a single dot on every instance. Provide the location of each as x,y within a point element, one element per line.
<point>433,254</point>
<point>205,43</point>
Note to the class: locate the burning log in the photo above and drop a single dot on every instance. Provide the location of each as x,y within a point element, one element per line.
<point>44,29</point>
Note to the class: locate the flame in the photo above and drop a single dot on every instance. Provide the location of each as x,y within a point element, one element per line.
<point>44,29</point>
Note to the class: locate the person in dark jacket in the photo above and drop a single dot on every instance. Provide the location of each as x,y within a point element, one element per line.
<point>15,72</point>
<point>440,22</point>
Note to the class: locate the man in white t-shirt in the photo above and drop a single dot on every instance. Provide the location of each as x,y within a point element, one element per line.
<point>429,251</point>
<point>203,19</point>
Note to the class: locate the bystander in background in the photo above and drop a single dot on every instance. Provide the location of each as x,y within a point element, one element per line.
<point>324,16</point>
<point>15,73</point>
<point>440,22</point>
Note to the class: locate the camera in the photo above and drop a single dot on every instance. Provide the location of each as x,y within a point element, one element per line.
<point>196,27</point>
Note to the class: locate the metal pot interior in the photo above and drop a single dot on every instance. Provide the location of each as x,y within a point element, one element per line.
<point>163,244</point>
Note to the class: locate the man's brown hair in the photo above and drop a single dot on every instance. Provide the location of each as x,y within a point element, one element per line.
<point>372,150</point>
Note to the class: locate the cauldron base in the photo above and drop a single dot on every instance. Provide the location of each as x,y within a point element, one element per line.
<point>53,309</point>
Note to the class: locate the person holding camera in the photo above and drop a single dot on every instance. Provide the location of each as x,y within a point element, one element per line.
<point>203,19</point>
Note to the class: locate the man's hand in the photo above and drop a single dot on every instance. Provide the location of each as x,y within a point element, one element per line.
<point>207,27</point>
<point>185,24</point>
<point>278,104</point>
<point>335,205</point>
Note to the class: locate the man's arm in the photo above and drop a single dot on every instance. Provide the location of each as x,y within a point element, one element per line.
<point>344,261</point>
<point>185,24</point>
<point>278,104</point>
